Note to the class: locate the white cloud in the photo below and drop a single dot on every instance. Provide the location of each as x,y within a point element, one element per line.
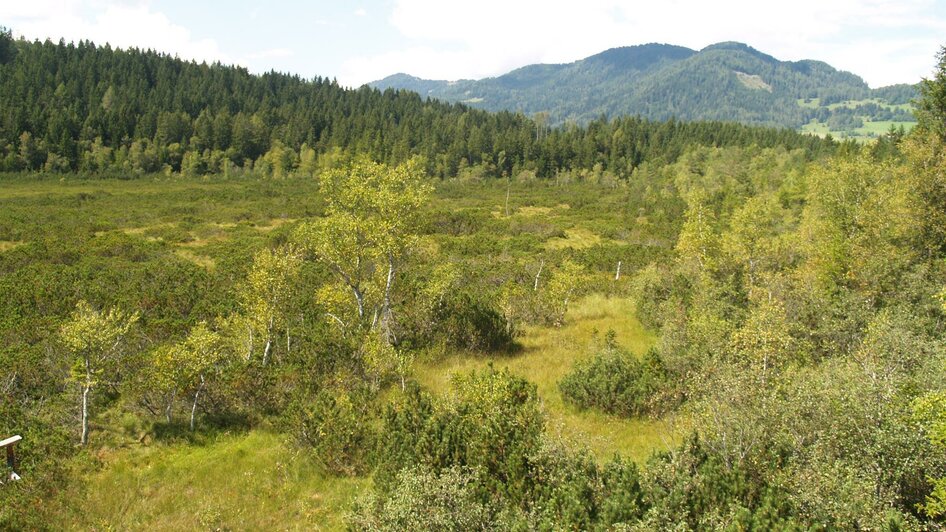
<point>125,24</point>
<point>489,37</point>
<point>121,24</point>
<point>885,41</point>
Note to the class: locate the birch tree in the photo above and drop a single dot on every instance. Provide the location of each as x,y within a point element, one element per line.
<point>94,338</point>
<point>561,288</point>
<point>266,297</point>
<point>190,366</point>
<point>370,218</point>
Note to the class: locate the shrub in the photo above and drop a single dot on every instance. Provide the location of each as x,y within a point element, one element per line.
<point>467,322</point>
<point>336,426</point>
<point>616,382</point>
<point>422,499</point>
<point>570,491</point>
<point>491,423</point>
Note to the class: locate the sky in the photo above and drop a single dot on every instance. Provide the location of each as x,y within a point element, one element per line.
<point>358,41</point>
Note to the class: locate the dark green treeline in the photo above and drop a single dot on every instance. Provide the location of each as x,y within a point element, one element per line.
<point>79,107</point>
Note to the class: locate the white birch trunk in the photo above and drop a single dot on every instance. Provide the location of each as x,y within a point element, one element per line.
<point>85,413</point>
<point>386,306</point>
<point>535,286</point>
<point>167,408</point>
<point>269,341</point>
<point>196,397</point>
<point>86,390</point>
<point>360,298</point>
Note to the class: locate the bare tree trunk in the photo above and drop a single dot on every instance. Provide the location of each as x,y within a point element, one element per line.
<point>249,343</point>
<point>196,397</point>
<point>337,320</point>
<point>269,341</point>
<point>167,408</point>
<point>360,298</point>
<point>561,319</point>
<point>86,390</point>
<point>535,286</point>
<point>85,413</point>
<point>617,275</point>
<point>386,306</point>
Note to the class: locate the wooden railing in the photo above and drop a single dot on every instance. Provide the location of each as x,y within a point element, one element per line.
<point>10,444</point>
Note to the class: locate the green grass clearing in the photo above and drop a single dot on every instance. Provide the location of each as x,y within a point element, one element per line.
<point>549,353</point>
<point>869,131</point>
<point>576,238</point>
<point>250,481</point>
<point>6,245</point>
<point>851,104</point>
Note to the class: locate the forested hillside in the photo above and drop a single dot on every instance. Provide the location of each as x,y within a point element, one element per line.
<point>79,107</point>
<point>725,81</point>
<point>261,302</point>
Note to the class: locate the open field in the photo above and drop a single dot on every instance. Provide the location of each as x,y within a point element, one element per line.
<point>869,131</point>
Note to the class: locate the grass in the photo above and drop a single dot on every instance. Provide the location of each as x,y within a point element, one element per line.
<point>869,131</point>
<point>251,480</point>
<point>248,481</point>
<point>549,353</point>
<point>881,127</point>
<point>851,104</point>
<point>42,206</point>
<point>809,103</point>
<point>816,128</point>
<point>200,260</point>
<point>577,238</point>
<point>815,103</point>
<point>6,245</point>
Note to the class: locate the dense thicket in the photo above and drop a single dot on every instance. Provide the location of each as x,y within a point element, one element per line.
<point>81,107</point>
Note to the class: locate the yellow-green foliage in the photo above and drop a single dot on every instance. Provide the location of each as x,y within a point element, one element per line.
<point>93,334</point>
<point>370,222</point>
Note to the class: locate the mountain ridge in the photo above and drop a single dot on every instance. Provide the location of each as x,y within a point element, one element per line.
<point>728,81</point>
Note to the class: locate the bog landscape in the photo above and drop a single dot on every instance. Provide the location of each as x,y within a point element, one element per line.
<point>654,289</point>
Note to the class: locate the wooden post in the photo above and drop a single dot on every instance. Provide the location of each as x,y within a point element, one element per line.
<point>9,444</point>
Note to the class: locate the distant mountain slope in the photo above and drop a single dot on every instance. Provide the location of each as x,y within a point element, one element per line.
<point>726,81</point>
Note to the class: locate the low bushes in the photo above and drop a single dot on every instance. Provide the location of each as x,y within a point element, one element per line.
<point>616,382</point>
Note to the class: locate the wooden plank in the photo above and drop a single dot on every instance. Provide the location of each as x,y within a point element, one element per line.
<point>10,441</point>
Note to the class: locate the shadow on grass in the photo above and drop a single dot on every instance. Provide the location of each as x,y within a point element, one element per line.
<point>208,428</point>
